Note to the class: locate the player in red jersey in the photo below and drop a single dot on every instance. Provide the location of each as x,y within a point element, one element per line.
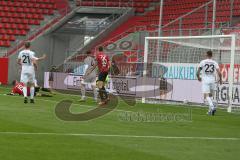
<point>103,64</point>
<point>18,88</point>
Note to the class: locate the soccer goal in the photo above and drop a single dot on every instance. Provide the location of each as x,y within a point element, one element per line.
<point>173,62</point>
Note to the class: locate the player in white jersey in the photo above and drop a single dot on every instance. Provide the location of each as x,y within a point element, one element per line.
<point>209,69</point>
<point>27,60</point>
<point>89,61</point>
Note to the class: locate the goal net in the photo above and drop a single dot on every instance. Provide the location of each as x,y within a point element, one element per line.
<point>173,63</point>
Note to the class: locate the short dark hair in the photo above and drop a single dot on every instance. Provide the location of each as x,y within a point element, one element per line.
<point>209,53</point>
<point>88,52</point>
<point>100,48</point>
<point>27,44</point>
<point>14,82</point>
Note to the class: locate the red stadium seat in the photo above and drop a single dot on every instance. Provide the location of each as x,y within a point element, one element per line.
<point>12,38</point>
<point>16,16</point>
<point>6,43</point>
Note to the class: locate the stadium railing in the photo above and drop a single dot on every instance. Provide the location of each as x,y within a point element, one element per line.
<point>80,45</point>
<point>3,53</point>
<point>107,3</point>
<point>201,17</point>
<point>94,30</point>
<point>122,35</point>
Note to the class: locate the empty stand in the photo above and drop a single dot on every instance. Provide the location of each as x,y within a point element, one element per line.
<point>140,5</point>
<point>17,16</point>
<point>149,11</point>
<point>172,10</point>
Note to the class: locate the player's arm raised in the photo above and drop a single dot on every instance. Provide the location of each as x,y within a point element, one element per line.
<point>35,59</point>
<point>42,57</point>
<point>39,58</point>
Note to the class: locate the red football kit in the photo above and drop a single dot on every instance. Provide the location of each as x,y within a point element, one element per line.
<point>18,89</point>
<point>103,62</point>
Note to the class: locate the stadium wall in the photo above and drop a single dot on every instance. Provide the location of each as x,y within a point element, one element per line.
<point>129,12</point>
<point>54,46</point>
<point>64,45</point>
<point>40,46</point>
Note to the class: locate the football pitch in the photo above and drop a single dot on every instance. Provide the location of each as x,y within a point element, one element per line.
<point>33,132</point>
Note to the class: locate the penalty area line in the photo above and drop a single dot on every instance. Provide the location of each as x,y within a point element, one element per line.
<point>118,136</point>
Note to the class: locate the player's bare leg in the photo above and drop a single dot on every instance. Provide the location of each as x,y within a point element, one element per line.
<point>102,93</point>
<point>209,99</point>
<point>25,93</point>
<point>32,91</point>
<point>106,85</point>
<point>83,92</point>
<point>95,92</point>
<point>213,109</point>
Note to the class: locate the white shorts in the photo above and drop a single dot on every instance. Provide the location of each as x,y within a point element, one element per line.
<point>28,78</point>
<point>208,87</point>
<point>90,80</point>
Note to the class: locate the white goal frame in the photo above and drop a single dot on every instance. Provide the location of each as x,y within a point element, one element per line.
<point>232,59</point>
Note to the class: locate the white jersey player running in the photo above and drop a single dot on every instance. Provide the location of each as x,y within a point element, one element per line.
<point>209,68</point>
<point>27,60</point>
<point>90,79</point>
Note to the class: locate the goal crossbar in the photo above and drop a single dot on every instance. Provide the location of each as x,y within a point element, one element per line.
<point>190,37</point>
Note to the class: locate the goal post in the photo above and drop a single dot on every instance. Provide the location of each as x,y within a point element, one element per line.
<point>232,62</point>
<point>180,53</point>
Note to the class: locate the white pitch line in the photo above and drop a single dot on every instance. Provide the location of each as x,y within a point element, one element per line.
<point>119,136</point>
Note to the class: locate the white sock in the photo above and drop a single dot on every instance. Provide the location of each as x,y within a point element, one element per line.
<point>32,90</point>
<point>95,93</point>
<point>213,102</point>
<point>25,91</point>
<point>210,102</point>
<point>35,82</point>
<point>205,102</point>
<point>83,91</point>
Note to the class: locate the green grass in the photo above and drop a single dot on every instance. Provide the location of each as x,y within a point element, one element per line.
<point>17,118</point>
